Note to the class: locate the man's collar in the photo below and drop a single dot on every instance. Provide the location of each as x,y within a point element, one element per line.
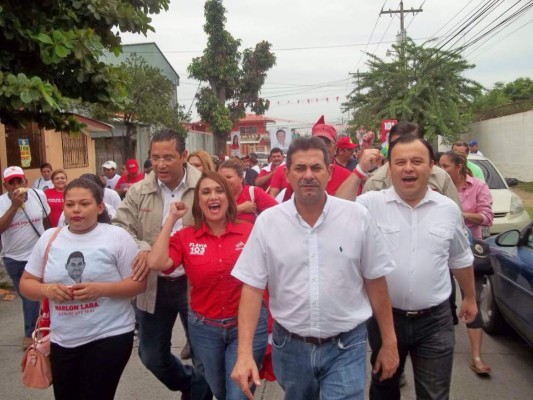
<point>182,182</point>
<point>392,196</point>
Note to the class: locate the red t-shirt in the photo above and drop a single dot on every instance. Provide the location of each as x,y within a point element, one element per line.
<point>55,201</point>
<point>126,180</point>
<point>338,176</point>
<point>208,261</point>
<point>261,198</point>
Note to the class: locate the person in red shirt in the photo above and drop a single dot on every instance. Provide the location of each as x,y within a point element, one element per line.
<point>132,176</point>
<point>208,251</point>
<point>247,208</point>
<point>265,175</point>
<point>54,196</point>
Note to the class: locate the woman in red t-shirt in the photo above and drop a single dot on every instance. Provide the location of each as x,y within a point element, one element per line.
<point>208,251</point>
<point>247,207</point>
<point>55,195</point>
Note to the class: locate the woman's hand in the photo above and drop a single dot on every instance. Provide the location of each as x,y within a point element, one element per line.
<point>178,209</point>
<point>87,291</point>
<point>58,292</point>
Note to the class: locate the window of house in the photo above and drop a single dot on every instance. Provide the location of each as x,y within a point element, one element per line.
<point>75,150</point>
<point>24,146</point>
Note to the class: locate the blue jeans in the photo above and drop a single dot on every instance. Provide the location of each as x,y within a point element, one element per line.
<point>217,348</point>
<point>332,370</point>
<point>30,309</point>
<point>155,336</point>
<point>429,340</point>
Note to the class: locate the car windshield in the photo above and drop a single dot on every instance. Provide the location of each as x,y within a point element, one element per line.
<point>492,177</point>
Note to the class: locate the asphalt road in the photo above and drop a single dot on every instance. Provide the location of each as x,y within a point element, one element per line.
<point>509,356</point>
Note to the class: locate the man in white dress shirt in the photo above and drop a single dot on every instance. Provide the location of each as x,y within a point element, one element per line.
<point>424,230</point>
<point>324,262</point>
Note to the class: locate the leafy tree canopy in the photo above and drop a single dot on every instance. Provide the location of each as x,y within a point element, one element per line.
<point>234,79</point>
<point>422,84</point>
<point>504,99</point>
<point>50,50</point>
<point>150,99</point>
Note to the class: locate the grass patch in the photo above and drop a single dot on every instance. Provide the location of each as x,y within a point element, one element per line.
<point>525,186</point>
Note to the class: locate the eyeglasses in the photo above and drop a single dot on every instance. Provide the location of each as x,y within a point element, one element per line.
<point>165,159</point>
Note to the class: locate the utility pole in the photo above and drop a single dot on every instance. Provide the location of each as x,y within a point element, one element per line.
<point>402,37</point>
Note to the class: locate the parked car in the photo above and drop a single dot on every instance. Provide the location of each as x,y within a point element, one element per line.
<point>509,211</point>
<point>507,295</point>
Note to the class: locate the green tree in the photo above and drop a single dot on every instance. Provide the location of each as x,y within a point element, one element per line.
<point>234,79</point>
<point>150,99</point>
<point>50,50</point>
<point>504,99</point>
<point>422,84</point>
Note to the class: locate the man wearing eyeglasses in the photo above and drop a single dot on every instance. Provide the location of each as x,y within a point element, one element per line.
<point>142,213</point>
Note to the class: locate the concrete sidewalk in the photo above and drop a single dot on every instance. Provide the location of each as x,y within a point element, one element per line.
<point>510,358</point>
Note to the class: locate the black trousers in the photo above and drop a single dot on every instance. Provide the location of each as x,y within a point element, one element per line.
<point>90,371</point>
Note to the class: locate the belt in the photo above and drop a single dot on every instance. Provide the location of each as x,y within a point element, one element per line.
<point>308,339</point>
<point>218,323</point>
<point>417,313</point>
<point>172,278</point>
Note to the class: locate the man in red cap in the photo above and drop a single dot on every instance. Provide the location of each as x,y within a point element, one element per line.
<point>344,156</point>
<point>132,176</point>
<point>343,183</point>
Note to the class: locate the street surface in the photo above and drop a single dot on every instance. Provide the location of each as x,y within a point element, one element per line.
<point>511,360</point>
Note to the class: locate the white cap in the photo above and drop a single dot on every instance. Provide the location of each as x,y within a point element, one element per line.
<point>13,172</point>
<point>109,165</point>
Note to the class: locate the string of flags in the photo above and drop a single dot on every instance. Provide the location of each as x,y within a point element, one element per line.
<point>311,100</point>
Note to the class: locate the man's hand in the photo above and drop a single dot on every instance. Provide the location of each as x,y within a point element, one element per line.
<point>468,310</point>
<point>139,268</point>
<point>19,197</point>
<point>387,361</point>
<point>370,159</point>
<point>245,374</point>
<point>247,207</point>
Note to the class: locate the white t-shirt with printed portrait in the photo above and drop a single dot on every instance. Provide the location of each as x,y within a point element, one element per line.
<point>108,252</point>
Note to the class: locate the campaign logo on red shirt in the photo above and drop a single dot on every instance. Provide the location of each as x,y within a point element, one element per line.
<point>197,249</point>
<point>239,246</point>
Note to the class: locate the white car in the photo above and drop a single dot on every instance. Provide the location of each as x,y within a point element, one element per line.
<point>508,209</point>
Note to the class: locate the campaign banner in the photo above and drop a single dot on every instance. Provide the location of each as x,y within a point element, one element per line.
<point>280,137</point>
<point>235,147</point>
<point>386,126</point>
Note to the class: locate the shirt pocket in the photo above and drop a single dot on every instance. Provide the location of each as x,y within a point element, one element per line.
<point>439,240</point>
<point>391,234</point>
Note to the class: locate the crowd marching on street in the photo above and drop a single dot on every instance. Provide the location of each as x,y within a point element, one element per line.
<point>287,271</point>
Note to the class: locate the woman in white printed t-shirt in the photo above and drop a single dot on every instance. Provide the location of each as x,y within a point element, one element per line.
<point>87,279</point>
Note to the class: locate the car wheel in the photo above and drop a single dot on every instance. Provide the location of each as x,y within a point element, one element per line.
<point>490,314</point>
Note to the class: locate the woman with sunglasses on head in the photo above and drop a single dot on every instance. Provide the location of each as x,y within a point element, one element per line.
<point>208,251</point>
<point>87,279</point>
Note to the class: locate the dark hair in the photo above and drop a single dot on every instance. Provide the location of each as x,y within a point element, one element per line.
<point>405,139</point>
<point>276,150</point>
<point>307,143</point>
<point>458,158</point>
<point>233,163</point>
<point>403,128</point>
<point>93,178</point>
<point>76,254</point>
<point>281,130</point>
<point>96,191</point>
<point>45,165</point>
<point>198,215</point>
<point>459,143</point>
<point>167,134</point>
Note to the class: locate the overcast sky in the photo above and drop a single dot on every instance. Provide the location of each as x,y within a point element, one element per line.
<point>318,43</point>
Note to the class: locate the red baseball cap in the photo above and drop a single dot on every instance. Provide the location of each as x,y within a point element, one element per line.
<point>326,131</point>
<point>132,166</point>
<point>12,173</point>
<point>345,142</point>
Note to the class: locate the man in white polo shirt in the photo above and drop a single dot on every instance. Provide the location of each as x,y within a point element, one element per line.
<point>110,172</point>
<point>324,262</point>
<point>424,230</point>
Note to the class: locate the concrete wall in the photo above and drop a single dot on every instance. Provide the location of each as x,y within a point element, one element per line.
<point>508,143</point>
